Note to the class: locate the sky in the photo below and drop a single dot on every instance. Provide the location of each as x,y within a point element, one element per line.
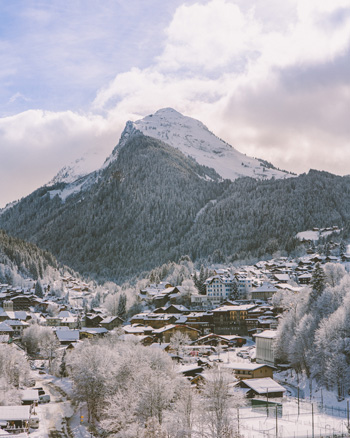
<point>272,78</point>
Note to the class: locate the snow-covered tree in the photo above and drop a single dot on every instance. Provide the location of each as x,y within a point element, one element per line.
<point>318,281</point>
<point>218,401</point>
<point>178,340</point>
<point>39,290</point>
<point>334,273</point>
<point>122,306</point>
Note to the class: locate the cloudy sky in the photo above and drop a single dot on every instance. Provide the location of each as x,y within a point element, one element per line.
<point>270,77</point>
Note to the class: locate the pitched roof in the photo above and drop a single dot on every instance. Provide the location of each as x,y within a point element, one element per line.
<point>264,385</point>
<point>5,328</point>
<point>247,366</point>
<point>13,413</point>
<point>67,335</point>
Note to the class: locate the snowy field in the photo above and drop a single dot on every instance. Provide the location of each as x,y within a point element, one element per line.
<point>304,420</point>
<point>294,420</point>
<point>254,423</point>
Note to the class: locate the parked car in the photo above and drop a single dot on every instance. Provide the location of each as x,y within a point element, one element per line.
<point>40,390</point>
<point>44,398</point>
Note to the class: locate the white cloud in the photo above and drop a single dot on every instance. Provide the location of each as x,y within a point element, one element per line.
<point>39,143</point>
<point>266,89</point>
<point>272,79</point>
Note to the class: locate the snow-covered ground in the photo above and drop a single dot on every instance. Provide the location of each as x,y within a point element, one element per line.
<point>314,235</point>
<point>319,416</point>
<point>59,414</point>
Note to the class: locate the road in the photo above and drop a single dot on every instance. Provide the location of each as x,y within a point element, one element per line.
<point>54,415</point>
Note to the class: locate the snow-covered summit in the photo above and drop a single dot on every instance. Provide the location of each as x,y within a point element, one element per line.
<point>77,169</point>
<point>193,138</point>
<point>188,135</point>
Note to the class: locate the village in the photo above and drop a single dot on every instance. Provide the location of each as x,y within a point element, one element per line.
<point>231,327</point>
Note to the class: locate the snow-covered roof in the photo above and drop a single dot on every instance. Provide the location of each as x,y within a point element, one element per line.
<point>5,328</point>
<point>67,335</point>
<point>246,366</point>
<point>265,287</point>
<point>266,334</point>
<point>170,327</point>
<point>240,308</point>
<point>109,319</point>
<point>264,385</point>
<point>30,394</point>
<point>94,330</point>
<point>134,329</point>
<point>14,413</point>
<point>15,322</point>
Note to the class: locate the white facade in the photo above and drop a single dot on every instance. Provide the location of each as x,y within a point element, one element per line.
<point>219,288</point>
<point>265,347</point>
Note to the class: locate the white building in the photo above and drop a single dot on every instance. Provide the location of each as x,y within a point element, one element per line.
<point>265,347</point>
<point>219,288</point>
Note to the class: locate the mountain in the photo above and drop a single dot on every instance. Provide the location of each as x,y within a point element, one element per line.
<point>150,203</point>
<point>124,219</point>
<point>188,135</point>
<point>194,139</point>
<point>23,258</point>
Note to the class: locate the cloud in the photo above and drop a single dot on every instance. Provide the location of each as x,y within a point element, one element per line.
<point>39,143</point>
<point>271,78</point>
<point>276,92</point>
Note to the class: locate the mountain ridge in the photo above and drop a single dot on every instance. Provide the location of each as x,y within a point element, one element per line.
<point>152,204</point>
<point>188,135</point>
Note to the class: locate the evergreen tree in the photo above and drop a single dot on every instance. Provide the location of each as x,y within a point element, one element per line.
<point>318,282</point>
<point>234,295</point>
<point>342,247</point>
<point>39,290</point>
<point>201,281</point>
<point>122,306</point>
<point>63,368</point>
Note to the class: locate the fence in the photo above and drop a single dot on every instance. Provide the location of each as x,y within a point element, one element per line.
<point>293,420</point>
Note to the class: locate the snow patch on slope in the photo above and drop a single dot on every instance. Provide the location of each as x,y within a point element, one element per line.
<point>193,138</point>
<point>78,169</point>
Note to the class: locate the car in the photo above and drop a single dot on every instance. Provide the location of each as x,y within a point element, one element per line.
<point>42,372</point>
<point>44,398</point>
<point>40,390</point>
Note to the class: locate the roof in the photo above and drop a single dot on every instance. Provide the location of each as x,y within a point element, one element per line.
<point>243,307</point>
<point>266,287</point>
<point>215,336</point>
<point>30,394</point>
<point>109,319</point>
<point>171,326</point>
<point>5,328</point>
<point>67,335</point>
<point>264,385</point>
<point>267,334</point>
<point>13,413</point>
<point>246,366</point>
<point>15,322</point>
<point>94,330</point>
<point>132,329</point>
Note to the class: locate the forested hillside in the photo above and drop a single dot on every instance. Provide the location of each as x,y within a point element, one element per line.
<point>153,204</point>
<point>132,219</point>
<point>253,218</point>
<point>314,333</point>
<point>23,258</point>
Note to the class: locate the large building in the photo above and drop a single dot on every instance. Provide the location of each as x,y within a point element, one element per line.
<point>231,319</point>
<point>219,288</point>
<point>265,347</point>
